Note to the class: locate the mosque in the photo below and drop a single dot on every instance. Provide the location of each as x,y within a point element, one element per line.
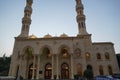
<point>61,57</point>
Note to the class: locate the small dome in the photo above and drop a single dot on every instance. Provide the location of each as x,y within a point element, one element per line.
<point>32,36</point>
<point>48,36</point>
<point>63,35</point>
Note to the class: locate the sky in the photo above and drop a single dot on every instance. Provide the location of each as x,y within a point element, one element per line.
<point>57,17</point>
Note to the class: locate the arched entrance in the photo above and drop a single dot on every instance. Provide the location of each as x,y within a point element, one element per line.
<point>30,72</point>
<point>79,69</point>
<point>65,71</point>
<point>48,71</point>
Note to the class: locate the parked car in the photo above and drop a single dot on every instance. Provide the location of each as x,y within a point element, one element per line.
<point>101,77</point>
<point>116,75</point>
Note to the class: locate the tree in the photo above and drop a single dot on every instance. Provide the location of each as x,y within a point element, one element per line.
<point>4,66</point>
<point>88,73</point>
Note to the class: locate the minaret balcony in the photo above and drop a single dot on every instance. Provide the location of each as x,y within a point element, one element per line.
<point>79,7</point>
<point>80,18</point>
<point>26,20</point>
<point>28,9</point>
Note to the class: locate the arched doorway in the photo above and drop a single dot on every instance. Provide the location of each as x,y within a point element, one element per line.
<point>30,72</point>
<point>48,71</point>
<point>79,69</point>
<point>65,71</point>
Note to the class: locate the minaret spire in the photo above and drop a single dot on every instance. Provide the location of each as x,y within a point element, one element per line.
<point>80,18</point>
<point>26,20</point>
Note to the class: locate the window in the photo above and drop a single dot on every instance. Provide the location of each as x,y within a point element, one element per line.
<point>87,56</point>
<point>82,24</point>
<point>47,52</point>
<point>64,53</point>
<point>107,56</point>
<point>101,70</point>
<point>98,56</point>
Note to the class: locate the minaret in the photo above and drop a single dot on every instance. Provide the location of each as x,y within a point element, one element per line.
<point>80,18</point>
<point>26,20</point>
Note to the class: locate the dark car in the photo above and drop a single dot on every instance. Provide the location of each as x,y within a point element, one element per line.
<point>101,77</point>
<point>116,75</point>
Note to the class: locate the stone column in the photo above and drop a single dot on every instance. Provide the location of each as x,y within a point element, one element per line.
<point>33,74</point>
<point>57,67</point>
<point>38,67</point>
<point>72,77</point>
<point>52,66</point>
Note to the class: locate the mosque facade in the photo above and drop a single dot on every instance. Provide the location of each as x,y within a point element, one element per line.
<point>60,57</point>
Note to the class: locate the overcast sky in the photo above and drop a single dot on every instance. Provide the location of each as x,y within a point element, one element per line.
<point>59,16</point>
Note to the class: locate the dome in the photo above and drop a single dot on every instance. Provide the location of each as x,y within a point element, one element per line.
<point>63,35</point>
<point>48,36</point>
<point>32,36</point>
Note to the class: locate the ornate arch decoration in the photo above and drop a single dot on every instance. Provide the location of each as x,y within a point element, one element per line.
<point>77,52</point>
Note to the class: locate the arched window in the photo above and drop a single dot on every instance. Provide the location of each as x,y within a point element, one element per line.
<point>79,69</point>
<point>101,70</point>
<point>98,56</point>
<point>107,56</point>
<point>110,70</point>
<point>46,51</point>
<point>64,53</point>
<point>87,56</point>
